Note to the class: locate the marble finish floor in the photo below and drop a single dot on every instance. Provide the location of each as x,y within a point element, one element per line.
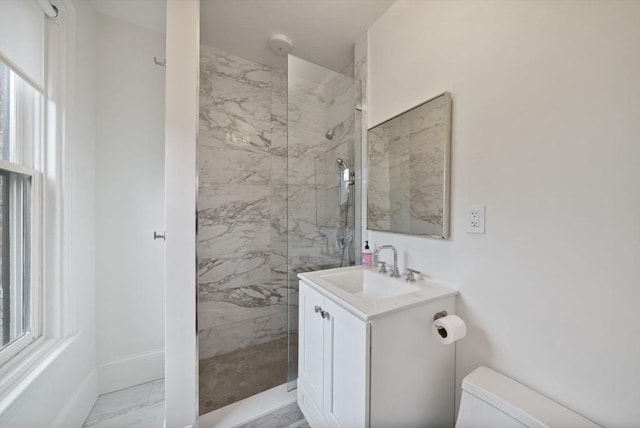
<point>287,417</point>
<point>140,406</point>
<point>230,377</point>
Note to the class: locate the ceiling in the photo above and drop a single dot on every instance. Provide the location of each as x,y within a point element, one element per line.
<point>322,31</point>
<point>149,14</point>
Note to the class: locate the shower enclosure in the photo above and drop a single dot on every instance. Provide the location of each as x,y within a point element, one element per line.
<point>276,159</point>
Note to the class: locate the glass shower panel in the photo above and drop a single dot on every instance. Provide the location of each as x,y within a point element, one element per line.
<point>321,159</point>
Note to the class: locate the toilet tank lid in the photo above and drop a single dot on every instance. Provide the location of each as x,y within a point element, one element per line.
<point>520,402</point>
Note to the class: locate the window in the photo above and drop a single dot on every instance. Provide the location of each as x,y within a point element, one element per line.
<point>20,137</point>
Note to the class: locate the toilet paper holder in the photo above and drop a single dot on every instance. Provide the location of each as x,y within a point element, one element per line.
<point>440,314</point>
<point>441,331</point>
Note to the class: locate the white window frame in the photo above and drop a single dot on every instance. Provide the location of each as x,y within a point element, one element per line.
<point>51,228</point>
<point>25,124</point>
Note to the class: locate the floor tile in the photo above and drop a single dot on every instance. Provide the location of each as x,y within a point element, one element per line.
<point>141,406</point>
<point>287,417</point>
<point>145,417</point>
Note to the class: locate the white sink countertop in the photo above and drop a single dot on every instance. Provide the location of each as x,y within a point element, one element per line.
<point>368,294</point>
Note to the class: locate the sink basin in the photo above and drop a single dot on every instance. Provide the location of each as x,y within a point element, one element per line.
<point>367,284</point>
<point>368,294</point>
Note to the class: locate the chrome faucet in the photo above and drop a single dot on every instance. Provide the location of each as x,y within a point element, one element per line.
<point>395,273</point>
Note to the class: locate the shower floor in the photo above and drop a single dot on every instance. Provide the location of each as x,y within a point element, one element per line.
<point>227,378</point>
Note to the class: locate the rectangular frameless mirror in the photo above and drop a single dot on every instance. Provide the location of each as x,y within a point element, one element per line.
<point>408,182</point>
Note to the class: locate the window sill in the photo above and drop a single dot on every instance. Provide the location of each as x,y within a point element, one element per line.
<point>23,369</point>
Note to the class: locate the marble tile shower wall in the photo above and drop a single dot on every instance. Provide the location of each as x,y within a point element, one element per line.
<point>268,207</point>
<point>242,204</point>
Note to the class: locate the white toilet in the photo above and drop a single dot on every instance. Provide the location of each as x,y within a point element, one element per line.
<point>490,399</point>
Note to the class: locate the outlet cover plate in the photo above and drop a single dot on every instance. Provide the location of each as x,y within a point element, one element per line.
<point>475,219</point>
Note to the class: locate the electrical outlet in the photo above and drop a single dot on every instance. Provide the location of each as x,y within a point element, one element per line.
<point>475,219</point>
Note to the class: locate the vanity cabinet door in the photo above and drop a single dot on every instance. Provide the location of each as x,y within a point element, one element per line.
<point>311,345</point>
<point>346,380</point>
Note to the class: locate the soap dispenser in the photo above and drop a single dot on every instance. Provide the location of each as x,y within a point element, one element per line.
<point>367,255</point>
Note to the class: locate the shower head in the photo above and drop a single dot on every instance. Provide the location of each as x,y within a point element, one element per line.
<point>342,165</point>
<point>329,134</point>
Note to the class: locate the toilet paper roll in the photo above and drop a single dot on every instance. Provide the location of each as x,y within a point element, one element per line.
<point>449,329</point>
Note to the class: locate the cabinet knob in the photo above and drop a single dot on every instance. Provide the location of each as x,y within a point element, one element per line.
<point>324,314</point>
<point>317,309</point>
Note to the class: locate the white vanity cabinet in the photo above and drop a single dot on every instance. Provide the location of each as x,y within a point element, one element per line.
<point>333,351</point>
<point>382,370</point>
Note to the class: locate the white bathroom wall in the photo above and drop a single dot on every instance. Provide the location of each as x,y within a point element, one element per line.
<point>129,176</point>
<point>546,131</point>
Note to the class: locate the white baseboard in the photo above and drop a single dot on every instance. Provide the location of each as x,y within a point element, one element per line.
<point>249,409</point>
<point>131,370</point>
<point>75,412</point>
